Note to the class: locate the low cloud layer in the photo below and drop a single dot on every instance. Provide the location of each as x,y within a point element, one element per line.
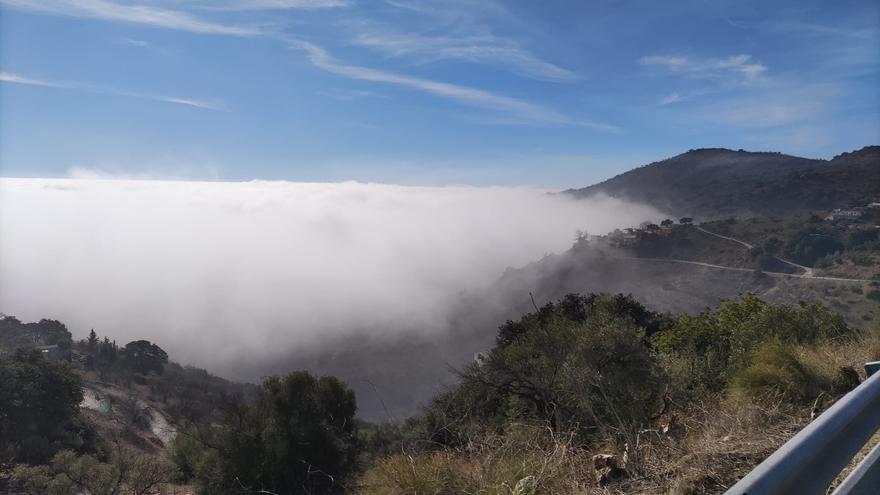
<point>216,272</point>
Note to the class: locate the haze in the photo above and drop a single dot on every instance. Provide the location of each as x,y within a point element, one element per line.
<point>216,271</point>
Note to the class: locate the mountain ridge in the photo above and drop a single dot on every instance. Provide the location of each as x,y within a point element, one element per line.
<point>711,183</point>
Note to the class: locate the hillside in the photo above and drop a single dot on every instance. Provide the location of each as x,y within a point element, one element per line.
<point>682,269</point>
<point>717,183</point>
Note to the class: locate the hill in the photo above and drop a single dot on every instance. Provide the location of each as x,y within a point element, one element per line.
<point>716,183</point>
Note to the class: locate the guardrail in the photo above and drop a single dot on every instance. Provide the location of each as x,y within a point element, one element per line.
<point>809,462</point>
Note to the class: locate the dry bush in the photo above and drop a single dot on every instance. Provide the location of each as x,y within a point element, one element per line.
<point>718,442</point>
<point>526,460</point>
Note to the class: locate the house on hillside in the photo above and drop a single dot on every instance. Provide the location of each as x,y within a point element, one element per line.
<point>622,238</point>
<point>51,352</point>
<point>840,214</point>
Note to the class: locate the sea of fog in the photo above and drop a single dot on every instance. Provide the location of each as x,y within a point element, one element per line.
<point>217,271</point>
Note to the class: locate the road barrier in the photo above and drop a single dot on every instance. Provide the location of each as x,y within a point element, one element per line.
<point>809,462</point>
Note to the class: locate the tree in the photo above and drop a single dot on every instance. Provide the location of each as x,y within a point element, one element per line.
<point>300,436</point>
<point>106,357</point>
<point>686,220</point>
<point>92,342</point>
<point>809,247</point>
<point>39,408</point>
<point>144,357</point>
<point>667,223</point>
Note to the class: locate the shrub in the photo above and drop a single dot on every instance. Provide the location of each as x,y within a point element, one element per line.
<point>582,362</point>
<point>777,367</point>
<point>438,473</point>
<point>523,460</point>
<point>704,351</point>
<point>127,472</point>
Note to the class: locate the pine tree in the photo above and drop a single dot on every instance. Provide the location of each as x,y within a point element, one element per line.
<point>92,342</point>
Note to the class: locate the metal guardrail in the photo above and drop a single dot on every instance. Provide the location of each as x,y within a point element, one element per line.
<point>809,461</point>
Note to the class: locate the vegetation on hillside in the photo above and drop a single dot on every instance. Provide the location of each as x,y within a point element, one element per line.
<point>675,401</point>
<point>299,436</point>
<point>581,393</point>
<point>39,402</point>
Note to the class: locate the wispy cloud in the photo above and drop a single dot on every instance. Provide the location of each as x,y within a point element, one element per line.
<point>134,14</point>
<point>671,98</point>
<point>484,48</point>
<point>18,79</point>
<point>8,77</point>
<point>736,64</point>
<point>462,30</point>
<point>781,107</point>
<point>244,5</point>
<point>134,42</point>
<point>519,110</point>
<point>147,46</point>
<point>810,28</point>
<point>348,94</point>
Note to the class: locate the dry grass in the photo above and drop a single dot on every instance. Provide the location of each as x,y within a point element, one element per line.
<point>526,460</point>
<point>719,441</point>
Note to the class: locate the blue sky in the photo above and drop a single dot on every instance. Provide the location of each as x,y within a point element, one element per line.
<point>551,93</point>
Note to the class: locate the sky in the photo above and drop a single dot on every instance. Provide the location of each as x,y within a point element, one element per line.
<point>476,92</point>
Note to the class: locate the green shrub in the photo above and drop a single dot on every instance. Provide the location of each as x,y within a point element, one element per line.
<point>583,361</point>
<point>126,472</point>
<point>861,259</point>
<point>777,367</point>
<point>825,261</point>
<point>704,351</point>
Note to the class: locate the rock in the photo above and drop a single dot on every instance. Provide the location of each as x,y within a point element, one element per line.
<point>607,469</point>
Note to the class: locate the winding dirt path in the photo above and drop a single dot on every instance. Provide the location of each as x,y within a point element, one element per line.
<point>753,270</point>
<point>808,271</point>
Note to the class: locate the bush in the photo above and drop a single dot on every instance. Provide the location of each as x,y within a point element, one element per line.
<point>861,259</point>
<point>127,472</point>
<point>777,367</point>
<point>438,473</point>
<point>581,363</point>
<point>300,435</point>
<point>523,460</point>
<point>704,351</point>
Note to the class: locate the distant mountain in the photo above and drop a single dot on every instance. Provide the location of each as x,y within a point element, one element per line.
<point>716,182</point>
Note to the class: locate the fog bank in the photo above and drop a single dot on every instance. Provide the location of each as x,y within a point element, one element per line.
<point>220,272</point>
